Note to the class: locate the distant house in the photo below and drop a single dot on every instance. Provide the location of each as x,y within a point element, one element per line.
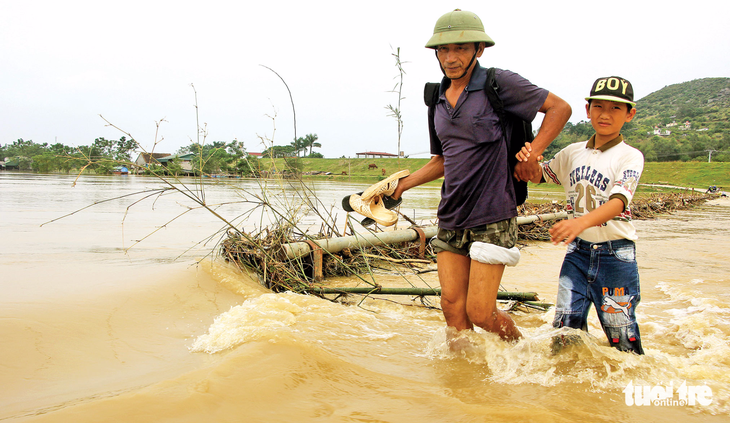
<point>662,133</point>
<point>255,154</point>
<point>120,170</point>
<point>163,159</point>
<point>11,164</point>
<point>186,161</point>
<point>375,154</point>
<point>144,159</point>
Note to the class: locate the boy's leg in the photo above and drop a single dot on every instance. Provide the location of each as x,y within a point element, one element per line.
<point>616,293</point>
<point>573,302</point>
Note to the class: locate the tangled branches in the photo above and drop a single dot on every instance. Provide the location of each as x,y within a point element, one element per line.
<point>643,208</point>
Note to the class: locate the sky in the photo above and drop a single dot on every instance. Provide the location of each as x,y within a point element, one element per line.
<point>74,71</point>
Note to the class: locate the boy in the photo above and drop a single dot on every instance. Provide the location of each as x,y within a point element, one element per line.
<point>600,177</point>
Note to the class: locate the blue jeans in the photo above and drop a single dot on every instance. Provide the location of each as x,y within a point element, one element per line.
<point>606,276</point>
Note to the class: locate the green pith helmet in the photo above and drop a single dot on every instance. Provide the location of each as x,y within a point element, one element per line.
<point>459,27</point>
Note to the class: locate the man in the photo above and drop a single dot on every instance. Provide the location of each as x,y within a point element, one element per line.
<point>477,225</point>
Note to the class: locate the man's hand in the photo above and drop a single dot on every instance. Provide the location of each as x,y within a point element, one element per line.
<point>529,170</point>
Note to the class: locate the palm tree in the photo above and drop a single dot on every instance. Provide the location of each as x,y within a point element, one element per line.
<point>298,145</point>
<point>311,141</point>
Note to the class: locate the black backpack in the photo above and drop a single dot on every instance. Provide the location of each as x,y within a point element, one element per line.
<point>521,129</point>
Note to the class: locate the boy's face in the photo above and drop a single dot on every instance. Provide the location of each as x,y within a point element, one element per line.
<point>608,117</point>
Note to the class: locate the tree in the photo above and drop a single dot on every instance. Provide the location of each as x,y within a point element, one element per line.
<point>208,158</point>
<point>395,111</point>
<point>174,167</point>
<point>298,145</point>
<point>45,163</point>
<point>247,166</point>
<point>123,148</point>
<point>310,140</point>
<point>279,151</point>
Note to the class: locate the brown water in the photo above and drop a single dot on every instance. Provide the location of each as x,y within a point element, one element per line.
<point>91,331</point>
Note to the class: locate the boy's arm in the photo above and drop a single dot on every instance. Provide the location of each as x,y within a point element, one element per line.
<point>567,230</point>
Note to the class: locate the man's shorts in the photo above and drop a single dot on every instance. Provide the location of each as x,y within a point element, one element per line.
<point>502,234</point>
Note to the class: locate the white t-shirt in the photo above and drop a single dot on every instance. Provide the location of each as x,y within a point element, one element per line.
<point>591,177</point>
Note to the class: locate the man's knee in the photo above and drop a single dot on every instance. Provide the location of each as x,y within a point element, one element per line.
<point>484,317</point>
<point>452,305</point>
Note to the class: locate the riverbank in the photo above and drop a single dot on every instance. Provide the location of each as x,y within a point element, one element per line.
<point>698,175</point>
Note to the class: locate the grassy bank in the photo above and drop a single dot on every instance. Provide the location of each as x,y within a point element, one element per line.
<point>689,174</point>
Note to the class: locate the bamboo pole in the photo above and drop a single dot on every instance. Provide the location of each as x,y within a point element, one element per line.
<point>333,245</point>
<point>526,220</point>
<point>501,295</point>
<point>372,239</point>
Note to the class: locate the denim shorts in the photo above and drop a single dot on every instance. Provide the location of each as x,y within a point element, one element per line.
<point>604,275</point>
<point>502,233</point>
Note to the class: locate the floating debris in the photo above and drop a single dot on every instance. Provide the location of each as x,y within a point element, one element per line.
<point>648,207</point>
<point>269,253</point>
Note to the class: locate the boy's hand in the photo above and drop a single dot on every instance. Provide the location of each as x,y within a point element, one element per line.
<point>524,153</point>
<point>566,231</point>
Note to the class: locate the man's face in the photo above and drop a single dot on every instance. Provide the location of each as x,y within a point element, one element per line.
<point>455,58</point>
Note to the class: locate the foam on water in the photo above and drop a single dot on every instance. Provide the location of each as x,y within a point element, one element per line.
<point>688,343</point>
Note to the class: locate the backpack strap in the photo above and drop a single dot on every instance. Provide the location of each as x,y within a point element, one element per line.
<point>431,93</point>
<point>431,97</point>
<point>491,89</point>
<point>520,131</point>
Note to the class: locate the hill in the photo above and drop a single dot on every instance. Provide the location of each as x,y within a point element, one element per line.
<point>680,122</point>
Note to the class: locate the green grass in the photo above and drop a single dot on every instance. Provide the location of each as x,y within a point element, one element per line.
<point>689,174</point>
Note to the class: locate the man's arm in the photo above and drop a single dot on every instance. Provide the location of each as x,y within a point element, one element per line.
<point>431,171</point>
<point>557,112</point>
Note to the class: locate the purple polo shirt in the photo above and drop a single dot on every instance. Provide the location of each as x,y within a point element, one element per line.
<point>477,187</point>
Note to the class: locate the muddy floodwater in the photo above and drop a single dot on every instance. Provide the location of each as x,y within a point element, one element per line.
<point>119,312</point>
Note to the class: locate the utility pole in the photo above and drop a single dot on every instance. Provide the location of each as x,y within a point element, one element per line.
<point>709,158</point>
